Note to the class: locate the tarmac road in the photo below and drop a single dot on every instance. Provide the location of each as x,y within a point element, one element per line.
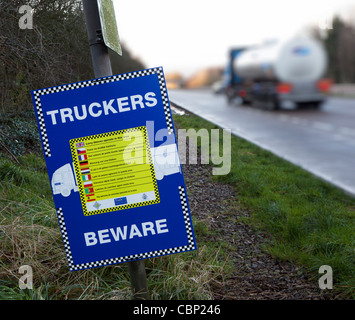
<point>320,141</point>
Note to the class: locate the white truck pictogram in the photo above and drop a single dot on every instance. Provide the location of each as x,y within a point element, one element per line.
<point>165,160</point>
<point>64,180</point>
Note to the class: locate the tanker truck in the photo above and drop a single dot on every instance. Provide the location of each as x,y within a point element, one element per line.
<point>268,75</point>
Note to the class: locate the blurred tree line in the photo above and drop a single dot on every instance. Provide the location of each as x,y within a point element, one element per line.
<point>54,52</point>
<point>339,42</point>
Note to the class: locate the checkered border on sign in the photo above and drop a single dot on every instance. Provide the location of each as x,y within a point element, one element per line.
<point>190,246</point>
<point>77,85</point>
<point>185,210</point>
<point>65,237</point>
<point>42,126</point>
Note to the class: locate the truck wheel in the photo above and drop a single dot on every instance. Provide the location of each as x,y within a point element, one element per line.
<point>317,105</point>
<point>271,105</point>
<point>275,105</point>
<point>301,105</point>
<point>246,102</point>
<point>66,192</point>
<point>310,105</point>
<point>159,175</point>
<point>230,99</point>
<point>230,94</point>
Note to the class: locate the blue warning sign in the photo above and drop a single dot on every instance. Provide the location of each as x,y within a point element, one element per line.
<point>114,168</point>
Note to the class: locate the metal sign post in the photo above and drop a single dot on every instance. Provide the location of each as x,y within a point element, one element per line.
<point>99,52</point>
<point>102,67</point>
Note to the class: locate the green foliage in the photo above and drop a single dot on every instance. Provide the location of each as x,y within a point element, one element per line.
<point>124,63</point>
<point>56,51</point>
<point>339,43</point>
<point>19,134</point>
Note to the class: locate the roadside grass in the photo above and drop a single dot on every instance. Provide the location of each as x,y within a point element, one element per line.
<point>311,222</point>
<point>30,235</point>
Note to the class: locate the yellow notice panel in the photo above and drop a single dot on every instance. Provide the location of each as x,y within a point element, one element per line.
<point>114,171</point>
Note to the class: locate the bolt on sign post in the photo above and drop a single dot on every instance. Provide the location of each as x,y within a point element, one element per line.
<point>113,165</point>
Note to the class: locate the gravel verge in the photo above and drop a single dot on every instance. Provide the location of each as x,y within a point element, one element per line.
<point>256,275</point>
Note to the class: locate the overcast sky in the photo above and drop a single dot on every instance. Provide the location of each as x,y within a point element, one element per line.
<point>188,35</point>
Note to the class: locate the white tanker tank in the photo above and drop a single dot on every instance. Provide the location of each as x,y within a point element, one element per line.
<point>285,70</point>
